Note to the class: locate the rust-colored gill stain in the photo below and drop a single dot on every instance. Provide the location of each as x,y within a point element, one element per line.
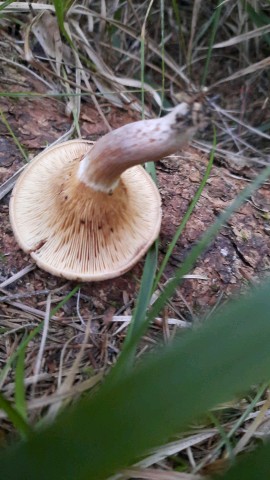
<point>82,202</point>
<point>38,246</point>
<point>96,219</point>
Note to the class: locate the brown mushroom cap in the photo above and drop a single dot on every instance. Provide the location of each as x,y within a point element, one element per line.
<point>78,233</point>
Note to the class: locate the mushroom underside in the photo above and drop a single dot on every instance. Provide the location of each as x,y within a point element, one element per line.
<point>73,231</point>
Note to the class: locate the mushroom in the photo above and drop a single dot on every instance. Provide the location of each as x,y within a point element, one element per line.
<point>89,211</point>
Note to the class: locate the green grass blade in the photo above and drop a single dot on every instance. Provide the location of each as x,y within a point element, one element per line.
<point>20,400</point>
<point>162,27</point>
<point>15,139</point>
<point>160,398</point>
<point>225,439</point>
<point>145,291</point>
<point>181,39</point>
<point>61,7</point>
<point>251,467</point>
<point>187,215</point>
<point>216,18</point>
<point>259,18</point>
<point>236,426</point>
<point>15,417</point>
<point>127,355</point>
<point>17,352</point>
<point>6,4</point>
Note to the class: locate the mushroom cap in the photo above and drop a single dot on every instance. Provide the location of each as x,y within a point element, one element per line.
<point>75,232</point>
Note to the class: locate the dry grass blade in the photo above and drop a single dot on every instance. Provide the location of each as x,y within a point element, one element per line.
<point>171,321</point>
<point>7,186</point>
<point>231,158</point>
<point>66,136</point>
<point>105,72</point>
<point>46,31</point>
<point>175,447</point>
<point>240,122</point>
<point>29,57</point>
<point>136,58</point>
<point>24,7</point>
<point>17,276</point>
<point>88,85</point>
<point>136,84</point>
<point>258,32</point>
<point>33,311</point>
<point>42,343</point>
<point>195,14</point>
<point>151,45</point>
<point>254,68</point>
<point>252,427</point>
<point>28,381</point>
<point>20,66</point>
<point>50,400</point>
<point>157,474</point>
<point>66,386</point>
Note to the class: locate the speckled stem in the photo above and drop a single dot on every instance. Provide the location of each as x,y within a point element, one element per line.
<point>137,143</point>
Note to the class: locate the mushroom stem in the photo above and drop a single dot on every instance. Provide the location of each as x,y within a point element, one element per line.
<point>136,143</point>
